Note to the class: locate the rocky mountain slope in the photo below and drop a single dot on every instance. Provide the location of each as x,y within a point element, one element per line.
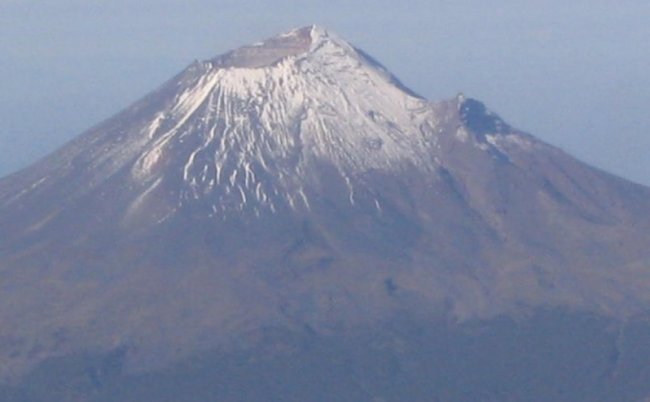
<point>294,193</point>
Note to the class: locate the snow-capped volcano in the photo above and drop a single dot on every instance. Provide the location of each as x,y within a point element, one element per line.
<point>295,183</point>
<point>250,126</point>
<point>247,131</point>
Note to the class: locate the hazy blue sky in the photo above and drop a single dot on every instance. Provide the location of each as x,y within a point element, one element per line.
<point>574,73</point>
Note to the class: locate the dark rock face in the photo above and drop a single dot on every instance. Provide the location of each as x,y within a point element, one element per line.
<point>289,216</point>
<point>480,120</point>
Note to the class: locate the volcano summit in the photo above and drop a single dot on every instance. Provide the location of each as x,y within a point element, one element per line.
<point>288,222</point>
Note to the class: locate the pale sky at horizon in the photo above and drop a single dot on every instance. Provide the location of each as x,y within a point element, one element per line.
<point>574,75</point>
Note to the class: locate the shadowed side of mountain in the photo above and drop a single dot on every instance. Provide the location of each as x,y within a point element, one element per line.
<point>549,355</point>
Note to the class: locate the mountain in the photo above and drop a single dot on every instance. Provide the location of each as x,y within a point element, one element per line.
<point>288,221</point>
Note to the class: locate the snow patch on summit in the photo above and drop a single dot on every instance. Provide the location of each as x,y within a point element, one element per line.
<point>248,129</point>
<point>249,134</point>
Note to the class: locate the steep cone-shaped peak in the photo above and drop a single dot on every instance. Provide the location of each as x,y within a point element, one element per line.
<point>295,185</point>
<point>248,130</point>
